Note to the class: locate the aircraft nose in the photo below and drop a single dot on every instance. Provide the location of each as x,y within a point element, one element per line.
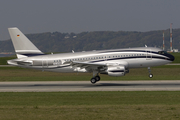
<point>171,57</point>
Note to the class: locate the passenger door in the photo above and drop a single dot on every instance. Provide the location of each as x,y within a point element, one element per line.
<point>148,55</point>
<point>45,62</point>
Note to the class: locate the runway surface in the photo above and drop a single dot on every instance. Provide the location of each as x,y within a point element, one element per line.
<point>55,86</point>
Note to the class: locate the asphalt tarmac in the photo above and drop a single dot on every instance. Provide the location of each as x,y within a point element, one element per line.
<point>56,86</point>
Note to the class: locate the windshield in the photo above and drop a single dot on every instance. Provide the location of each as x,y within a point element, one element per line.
<point>162,52</point>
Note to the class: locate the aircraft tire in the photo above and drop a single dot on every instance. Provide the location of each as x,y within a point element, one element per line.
<point>93,80</point>
<point>150,75</point>
<point>97,78</point>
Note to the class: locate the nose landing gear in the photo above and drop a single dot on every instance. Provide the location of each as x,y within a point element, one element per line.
<point>150,74</point>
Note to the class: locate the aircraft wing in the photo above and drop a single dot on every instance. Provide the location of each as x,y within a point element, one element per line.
<point>89,66</point>
<point>85,64</point>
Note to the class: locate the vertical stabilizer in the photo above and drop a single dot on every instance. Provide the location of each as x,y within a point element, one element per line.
<point>22,45</point>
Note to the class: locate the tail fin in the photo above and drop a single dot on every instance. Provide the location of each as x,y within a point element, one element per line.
<point>22,45</point>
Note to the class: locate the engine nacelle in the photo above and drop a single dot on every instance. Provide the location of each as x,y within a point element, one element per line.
<point>116,71</point>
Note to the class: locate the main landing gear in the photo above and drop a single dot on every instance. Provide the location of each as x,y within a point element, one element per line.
<point>95,78</point>
<point>150,74</point>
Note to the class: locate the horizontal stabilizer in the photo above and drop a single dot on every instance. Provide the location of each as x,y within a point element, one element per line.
<point>17,62</point>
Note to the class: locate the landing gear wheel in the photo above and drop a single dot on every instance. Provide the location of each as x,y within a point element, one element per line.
<point>150,75</point>
<point>93,80</point>
<point>97,78</point>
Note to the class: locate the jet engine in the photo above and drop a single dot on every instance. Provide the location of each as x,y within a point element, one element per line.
<point>116,71</point>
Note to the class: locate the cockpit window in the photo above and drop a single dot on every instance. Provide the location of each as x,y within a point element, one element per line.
<point>162,52</point>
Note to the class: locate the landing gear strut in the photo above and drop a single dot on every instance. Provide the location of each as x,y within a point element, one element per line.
<point>150,74</point>
<point>95,78</point>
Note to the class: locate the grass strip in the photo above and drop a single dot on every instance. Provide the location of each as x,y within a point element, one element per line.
<point>165,72</point>
<point>90,105</point>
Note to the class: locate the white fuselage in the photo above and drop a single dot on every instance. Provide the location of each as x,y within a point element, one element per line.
<point>130,58</point>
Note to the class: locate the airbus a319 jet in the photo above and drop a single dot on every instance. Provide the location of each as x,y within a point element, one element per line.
<point>114,62</point>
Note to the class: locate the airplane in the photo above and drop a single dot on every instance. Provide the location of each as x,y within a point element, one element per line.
<point>113,62</point>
